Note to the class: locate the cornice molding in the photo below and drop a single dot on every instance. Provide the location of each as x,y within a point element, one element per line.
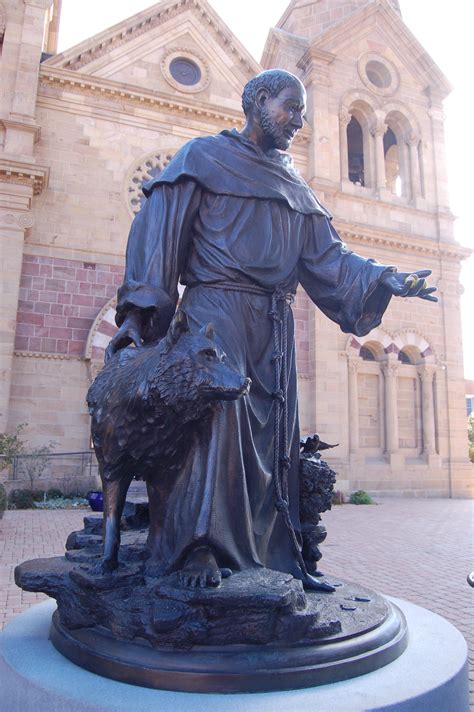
<point>48,356</point>
<point>364,235</point>
<point>30,174</point>
<point>96,87</point>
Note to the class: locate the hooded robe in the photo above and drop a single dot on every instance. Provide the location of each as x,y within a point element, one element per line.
<point>234,224</point>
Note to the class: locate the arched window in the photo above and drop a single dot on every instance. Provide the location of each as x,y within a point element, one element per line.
<point>355,152</point>
<point>367,354</point>
<point>392,164</point>
<point>396,151</point>
<point>404,358</point>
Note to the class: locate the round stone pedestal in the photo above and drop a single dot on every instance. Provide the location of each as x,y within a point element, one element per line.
<point>430,675</point>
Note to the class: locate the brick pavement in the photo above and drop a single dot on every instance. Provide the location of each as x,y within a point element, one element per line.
<point>417,549</point>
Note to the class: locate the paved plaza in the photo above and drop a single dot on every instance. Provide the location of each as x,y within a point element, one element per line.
<point>417,549</point>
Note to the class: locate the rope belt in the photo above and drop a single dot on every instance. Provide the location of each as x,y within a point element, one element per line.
<point>280,308</point>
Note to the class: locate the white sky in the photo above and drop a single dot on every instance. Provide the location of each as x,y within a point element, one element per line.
<point>445,31</point>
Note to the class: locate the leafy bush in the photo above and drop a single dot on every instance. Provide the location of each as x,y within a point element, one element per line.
<point>11,445</point>
<point>63,503</point>
<point>3,500</point>
<point>54,493</point>
<point>361,497</point>
<point>39,495</point>
<point>21,499</point>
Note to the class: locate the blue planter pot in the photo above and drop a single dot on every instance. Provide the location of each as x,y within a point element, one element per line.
<point>96,500</point>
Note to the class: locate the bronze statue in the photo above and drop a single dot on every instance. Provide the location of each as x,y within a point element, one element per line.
<point>216,586</point>
<point>232,219</point>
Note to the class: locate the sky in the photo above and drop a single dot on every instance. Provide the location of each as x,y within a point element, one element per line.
<point>444,30</point>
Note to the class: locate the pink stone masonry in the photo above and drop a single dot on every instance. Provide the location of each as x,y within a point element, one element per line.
<point>59,300</point>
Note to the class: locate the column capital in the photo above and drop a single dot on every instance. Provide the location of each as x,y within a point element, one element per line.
<point>427,371</point>
<point>344,117</point>
<point>378,126</point>
<point>15,219</point>
<point>353,364</point>
<point>390,368</point>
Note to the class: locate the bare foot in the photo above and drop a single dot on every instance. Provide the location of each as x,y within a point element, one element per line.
<point>200,569</point>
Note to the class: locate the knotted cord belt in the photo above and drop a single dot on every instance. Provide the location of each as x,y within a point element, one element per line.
<point>280,308</point>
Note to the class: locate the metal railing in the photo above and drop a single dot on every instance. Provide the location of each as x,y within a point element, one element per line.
<point>58,465</point>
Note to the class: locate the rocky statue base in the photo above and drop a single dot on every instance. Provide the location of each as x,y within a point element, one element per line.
<point>258,631</point>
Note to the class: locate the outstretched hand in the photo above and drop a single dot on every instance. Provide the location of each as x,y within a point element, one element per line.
<point>409,284</point>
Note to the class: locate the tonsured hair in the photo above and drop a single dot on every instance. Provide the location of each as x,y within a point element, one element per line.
<point>273,80</point>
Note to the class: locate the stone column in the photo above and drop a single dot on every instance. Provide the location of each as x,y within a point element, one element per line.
<point>18,183</point>
<point>314,68</point>
<point>426,373</point>
<point>12,230</point>
<point>414,167</point>
<point>390,370</point>
<point>344,119</point>
<point>378,130</point>
<point>20,126</point>
<point>353,366</point>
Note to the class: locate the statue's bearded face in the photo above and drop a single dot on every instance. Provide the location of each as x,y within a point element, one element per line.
<point>282,116</point>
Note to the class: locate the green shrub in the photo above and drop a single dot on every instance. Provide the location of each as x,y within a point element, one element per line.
<point>38,495</point>
<point>54,493</point>
<point>3,500</point>
<point>21,499</point>
<point>11,445</point>
<point>361,497</point>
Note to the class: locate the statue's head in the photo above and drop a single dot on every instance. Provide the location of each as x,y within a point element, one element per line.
<point>274,103</point>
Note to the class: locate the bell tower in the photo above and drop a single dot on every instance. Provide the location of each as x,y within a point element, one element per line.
<point>309,18</point>
<point>375,156</point>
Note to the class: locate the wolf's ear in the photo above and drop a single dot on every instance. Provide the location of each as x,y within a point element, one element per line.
<point>178,326</point>
<point>208,331</point>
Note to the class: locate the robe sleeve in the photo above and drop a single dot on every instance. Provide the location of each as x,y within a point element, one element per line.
<point>157,248</point>
<point>345,286</point>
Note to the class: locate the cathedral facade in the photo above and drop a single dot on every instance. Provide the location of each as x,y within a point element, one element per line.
<point>82,130</point>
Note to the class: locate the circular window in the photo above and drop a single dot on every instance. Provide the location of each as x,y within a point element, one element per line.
<point>185,71</point>
<point>378,74</point>
<point>148,168</point>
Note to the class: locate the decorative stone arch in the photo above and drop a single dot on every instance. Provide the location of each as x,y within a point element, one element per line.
<point>424,364</point>
<point>101,332</point>
<point>402,146</point>
<point>415,343</point>
<point>378,337</point>
<point>365,388</point>
<point>357,115</point>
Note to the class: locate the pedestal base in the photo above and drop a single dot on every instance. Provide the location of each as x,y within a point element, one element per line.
<point>430,675</point>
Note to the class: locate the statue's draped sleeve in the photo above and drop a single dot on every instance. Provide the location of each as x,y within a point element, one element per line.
<point>157,247</point>
<point>345,286</point>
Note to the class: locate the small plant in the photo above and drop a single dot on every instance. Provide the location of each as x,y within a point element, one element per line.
<point>11,445</point>
<point>34,462</point>
<point>21,499</point>
<point>361,497</point>
<point>3,500</point>
<point>54,493</point>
